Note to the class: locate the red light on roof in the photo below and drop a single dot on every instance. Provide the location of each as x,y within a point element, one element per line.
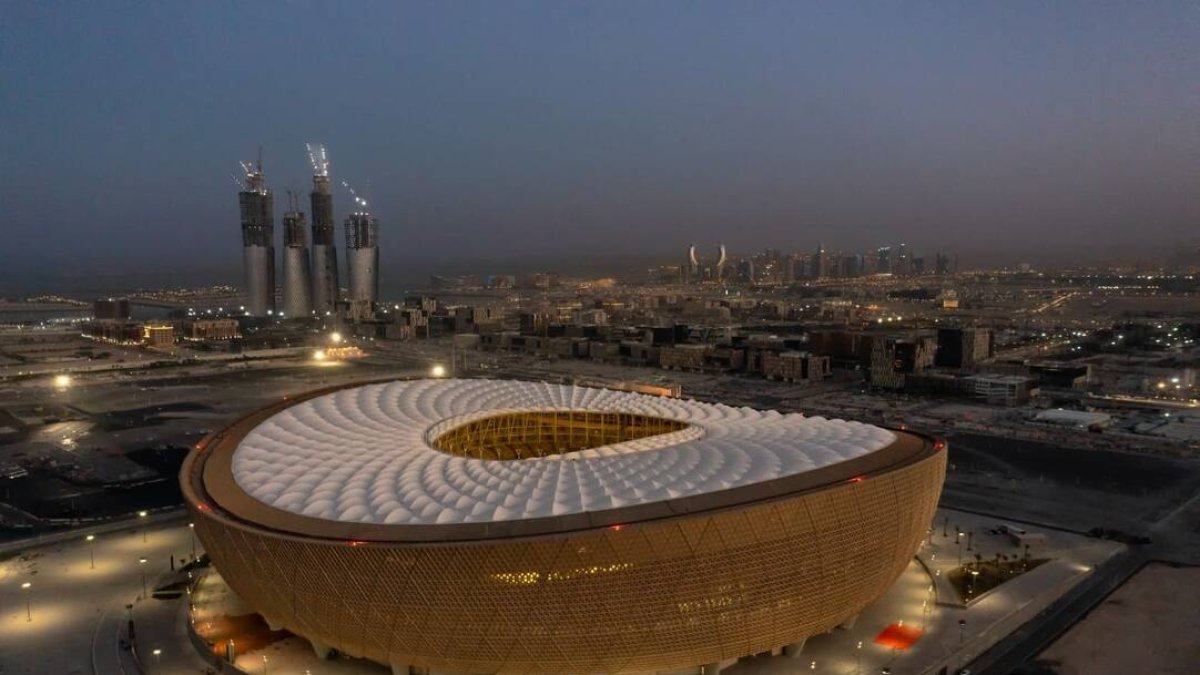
<point>354,543</point>
<point>857,479</point>
<point>616,528</point>
<point>201,506</point>
<point>939,444</point>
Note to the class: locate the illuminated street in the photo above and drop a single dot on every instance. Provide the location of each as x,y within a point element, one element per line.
<point>76,611</point>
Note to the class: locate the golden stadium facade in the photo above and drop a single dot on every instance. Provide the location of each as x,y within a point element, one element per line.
<point>477,526</point>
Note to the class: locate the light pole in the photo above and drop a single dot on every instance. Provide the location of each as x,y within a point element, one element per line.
<point>969,535</point>
<point>264,664</point>
<point>858,659</point>
<point>958,541</point>
<point>91,540</point>
<point>974,574</point>
<point>142,517</point>
<point>28,611</point>
<point>157,660</point>
<point>142,566</point>
<point>962,629</point>
<point>192,529</point>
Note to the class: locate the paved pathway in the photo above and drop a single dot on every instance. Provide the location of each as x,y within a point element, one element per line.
<point>77,612</point>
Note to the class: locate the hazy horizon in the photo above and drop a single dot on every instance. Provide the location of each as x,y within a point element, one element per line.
<point>496,138</point>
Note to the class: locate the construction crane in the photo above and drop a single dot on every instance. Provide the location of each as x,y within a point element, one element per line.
<point>358,201</point>
<point>318,158</point>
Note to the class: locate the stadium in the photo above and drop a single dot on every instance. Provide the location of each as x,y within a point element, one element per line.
<point>493,526</point>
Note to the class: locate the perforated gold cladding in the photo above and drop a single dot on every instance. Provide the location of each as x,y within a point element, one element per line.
<point>643,597</point>
<point>524,435</point>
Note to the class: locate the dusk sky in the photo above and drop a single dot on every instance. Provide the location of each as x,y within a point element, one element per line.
<point>491,136</point>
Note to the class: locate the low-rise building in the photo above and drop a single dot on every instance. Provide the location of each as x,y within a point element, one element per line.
<point>1075,419</point>
<point>158,335</point>
<point>795,366</point>
<point>211,329</point>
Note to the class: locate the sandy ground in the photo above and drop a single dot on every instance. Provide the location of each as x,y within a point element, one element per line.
<point>1149,625</point>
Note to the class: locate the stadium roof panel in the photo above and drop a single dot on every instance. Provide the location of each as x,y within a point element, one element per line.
<point>367,454</point>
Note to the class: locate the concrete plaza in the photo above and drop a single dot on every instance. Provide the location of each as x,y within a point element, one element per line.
<point>77,613</point>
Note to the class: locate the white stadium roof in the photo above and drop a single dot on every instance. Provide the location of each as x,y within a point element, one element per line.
<point>362,455</point>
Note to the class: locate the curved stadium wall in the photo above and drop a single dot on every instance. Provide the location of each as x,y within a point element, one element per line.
<point>678,583</point>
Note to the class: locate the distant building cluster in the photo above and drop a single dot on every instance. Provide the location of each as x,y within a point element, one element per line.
<point>112,322</point>
<point>773,267</point>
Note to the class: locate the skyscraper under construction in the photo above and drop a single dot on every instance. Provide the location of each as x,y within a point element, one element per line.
<point>324,245</point>
<point>258,240</point>
<point>297,282</point>
<point>362,253</point>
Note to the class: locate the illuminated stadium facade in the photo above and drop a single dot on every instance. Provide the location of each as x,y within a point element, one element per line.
<point>481,526</point>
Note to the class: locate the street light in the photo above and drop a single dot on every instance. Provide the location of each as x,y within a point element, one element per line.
<point>142,517</point>
<point>142,566</point>
<point>91,540</point>
<point>62,381</point>
<point>157,660</point>
<point>264,664</point>
<point>974,574</point>
<point>858,659</point>
<point>335,337</point>
<point>438,371</point>
<point>28,612</point>
<point>962,627</point>
<point>192,529</point>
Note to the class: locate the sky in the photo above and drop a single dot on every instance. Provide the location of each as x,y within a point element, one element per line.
<point>497,136</point>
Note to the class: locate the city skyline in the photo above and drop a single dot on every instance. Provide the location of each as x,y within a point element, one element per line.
<point>532,133</point>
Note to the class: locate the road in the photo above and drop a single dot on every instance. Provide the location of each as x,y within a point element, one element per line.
<point>1175,538</point>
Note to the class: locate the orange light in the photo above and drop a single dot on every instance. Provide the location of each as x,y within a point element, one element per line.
<point>354,543</point>
<point>616,528</point>
<point>857,479</point>
<point>898,636</point>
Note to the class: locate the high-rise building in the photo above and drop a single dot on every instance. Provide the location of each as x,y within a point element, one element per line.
<point>324,237</point>
<point>362,254</point>
<point>820,270</point>
<point>258,240</point>
<point>883,260</point>
<point>297,281</point>
<point>902,264</point>
<point>851,266</point>
<point>941,264</point>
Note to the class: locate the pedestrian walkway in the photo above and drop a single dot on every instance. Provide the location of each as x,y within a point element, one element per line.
<point>161,641</point>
